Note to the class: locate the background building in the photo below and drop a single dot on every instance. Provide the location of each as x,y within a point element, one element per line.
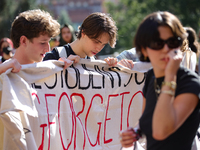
<point>77,10</point>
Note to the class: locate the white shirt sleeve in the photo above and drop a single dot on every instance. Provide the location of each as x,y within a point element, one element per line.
<point>193,61</point>
<point>189,60</point>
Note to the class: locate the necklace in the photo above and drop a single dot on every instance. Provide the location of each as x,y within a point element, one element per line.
<point>156,88</point>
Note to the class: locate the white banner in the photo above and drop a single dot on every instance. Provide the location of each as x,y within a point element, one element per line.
<point>83,107</point>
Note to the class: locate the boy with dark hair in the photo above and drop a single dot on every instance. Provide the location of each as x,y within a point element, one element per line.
<point>97,30</point>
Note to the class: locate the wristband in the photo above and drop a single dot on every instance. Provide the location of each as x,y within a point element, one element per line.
<point>170,92</point>
<point>171,84</point>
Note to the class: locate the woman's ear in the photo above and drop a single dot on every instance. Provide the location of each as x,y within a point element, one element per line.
<point>144,52</point>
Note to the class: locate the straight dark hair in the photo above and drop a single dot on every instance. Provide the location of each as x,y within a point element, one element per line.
<point>148,30</point>
<point>96,24</point>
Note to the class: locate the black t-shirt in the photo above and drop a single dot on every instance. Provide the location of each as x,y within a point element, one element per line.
<point>187,82</point>
<point>54,54</point>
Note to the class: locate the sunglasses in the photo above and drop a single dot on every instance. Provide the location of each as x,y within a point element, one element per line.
<point>173,42</point>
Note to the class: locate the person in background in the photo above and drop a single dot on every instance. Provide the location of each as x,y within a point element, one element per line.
<point>5,42</point>
<point>128,54</point>
<point>54,42</point>
<point>193,49</point>
<point>171,104</point>
<point>192,39</point>
<point>7,54</point>
<point>194,52</point>
<point>67,34</point>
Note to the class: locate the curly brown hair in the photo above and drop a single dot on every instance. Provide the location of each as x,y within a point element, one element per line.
<point>32,24</point>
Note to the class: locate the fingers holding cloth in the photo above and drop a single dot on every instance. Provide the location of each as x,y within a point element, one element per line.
<point>129,136</point>
<point>69,60</point>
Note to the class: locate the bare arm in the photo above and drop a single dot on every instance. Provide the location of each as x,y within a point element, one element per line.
<point>13,63</point>
<point>170,112</point>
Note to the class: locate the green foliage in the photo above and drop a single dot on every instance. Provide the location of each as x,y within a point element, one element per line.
<point>188,11</point>
<point>64,18</point>
<point>129,13</point>
<point>9,10</point>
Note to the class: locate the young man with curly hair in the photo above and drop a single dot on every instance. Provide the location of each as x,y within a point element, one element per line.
<point>31,32</point>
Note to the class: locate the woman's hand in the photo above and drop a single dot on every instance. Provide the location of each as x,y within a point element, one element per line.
<point>174,59</point>
<point>128,137</point>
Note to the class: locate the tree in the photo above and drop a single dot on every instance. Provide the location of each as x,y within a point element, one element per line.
<point>186,10</point>
<point>129,13</point>
<point>9,10</point>
<point>64,18</point>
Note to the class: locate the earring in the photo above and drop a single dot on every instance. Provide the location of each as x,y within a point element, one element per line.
<point>145,58</point>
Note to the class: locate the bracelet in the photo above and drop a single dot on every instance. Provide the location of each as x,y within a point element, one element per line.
<point>171,84</point>
<point>170,92</point>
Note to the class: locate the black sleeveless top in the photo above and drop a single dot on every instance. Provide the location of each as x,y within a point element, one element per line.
<point>187,82</point>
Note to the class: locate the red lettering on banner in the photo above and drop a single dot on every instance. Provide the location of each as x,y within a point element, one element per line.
<point>106,119</point>
<point>46,95</point>
<point>83,99</point>
<point>99,123</point>
<point>73,114</point>
<point>42,144</point>
<point>36,97</point>
<point>76,116</point>
<point>122,104</point>
<point>130,106</point>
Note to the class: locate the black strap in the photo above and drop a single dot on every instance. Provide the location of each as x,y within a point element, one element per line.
<point>56,53</point>
<point>198,135</point>
<point>67,52</point>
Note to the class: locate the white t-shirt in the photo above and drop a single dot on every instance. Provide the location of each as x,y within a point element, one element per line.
<point>189,59</point>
